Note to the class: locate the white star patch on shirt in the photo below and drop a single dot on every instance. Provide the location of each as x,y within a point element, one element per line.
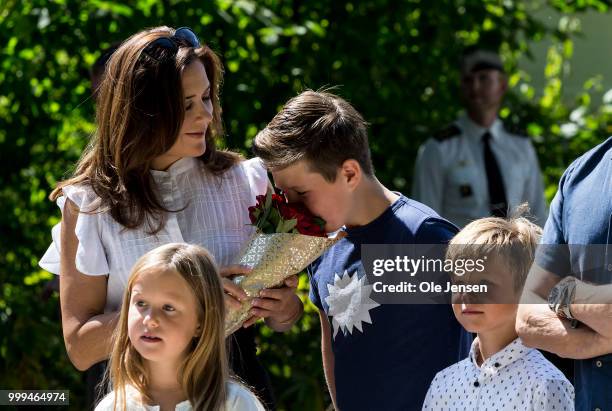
<point>349,302</point>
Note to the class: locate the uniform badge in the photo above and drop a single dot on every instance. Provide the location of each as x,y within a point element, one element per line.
<point>465,190</point>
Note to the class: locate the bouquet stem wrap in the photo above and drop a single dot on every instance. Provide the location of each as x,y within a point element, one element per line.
<point>273,257</point>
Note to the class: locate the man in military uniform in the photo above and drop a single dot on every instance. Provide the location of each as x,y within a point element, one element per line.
<point>475,168</point>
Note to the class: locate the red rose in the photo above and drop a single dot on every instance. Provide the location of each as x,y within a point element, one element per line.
<point>256,211</point>
<point>305,222</point>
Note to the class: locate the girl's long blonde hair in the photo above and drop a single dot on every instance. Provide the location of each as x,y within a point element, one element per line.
<point>204,372</point>
<point>140,110</point>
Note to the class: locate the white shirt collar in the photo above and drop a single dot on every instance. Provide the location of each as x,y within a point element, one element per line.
<point>134,400</point>
<point>475,131</point>
<point>178,167</point>
<point>509,354</point>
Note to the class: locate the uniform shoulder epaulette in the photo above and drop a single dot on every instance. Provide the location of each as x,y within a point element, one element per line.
<point>447,132</point>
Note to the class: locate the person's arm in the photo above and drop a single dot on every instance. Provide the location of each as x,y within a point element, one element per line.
<point>87,330</point>
<point>534,188</point>
<point>539,327</point>
<point>280,307</point>
<point>428,184</point>
<point>536,324</point>
<point>593,306</point>
<point>328,356</point>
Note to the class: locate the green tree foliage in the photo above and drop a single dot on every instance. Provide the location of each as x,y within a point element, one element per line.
<point>396,61</point>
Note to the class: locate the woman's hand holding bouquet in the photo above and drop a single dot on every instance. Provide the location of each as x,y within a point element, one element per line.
<point>288,238</point>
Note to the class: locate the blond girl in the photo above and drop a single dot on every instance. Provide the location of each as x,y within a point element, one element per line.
<point>168,350</point>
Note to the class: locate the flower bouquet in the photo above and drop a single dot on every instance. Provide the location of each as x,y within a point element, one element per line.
<point>288,238</point>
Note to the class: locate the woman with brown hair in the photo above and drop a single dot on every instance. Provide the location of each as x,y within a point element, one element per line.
<point>152,175</point>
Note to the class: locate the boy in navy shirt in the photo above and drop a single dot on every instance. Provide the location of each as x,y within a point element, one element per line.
<point>375,356</point>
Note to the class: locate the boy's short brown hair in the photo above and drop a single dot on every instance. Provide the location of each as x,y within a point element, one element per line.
<point>514,239</point>
<point>319,127</point>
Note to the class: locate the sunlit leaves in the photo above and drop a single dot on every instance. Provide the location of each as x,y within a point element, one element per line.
<point>116,8</point>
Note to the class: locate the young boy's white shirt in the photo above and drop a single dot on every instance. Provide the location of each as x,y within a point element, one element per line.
<point>515,378</point>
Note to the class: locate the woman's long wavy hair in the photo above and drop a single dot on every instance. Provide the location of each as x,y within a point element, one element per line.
<point>139,115</point>
<point>204,372</point>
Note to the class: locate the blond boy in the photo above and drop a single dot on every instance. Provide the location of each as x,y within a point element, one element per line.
<point>500,373</point>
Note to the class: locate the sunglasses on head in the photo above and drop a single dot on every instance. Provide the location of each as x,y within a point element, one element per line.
<point>184,34</point>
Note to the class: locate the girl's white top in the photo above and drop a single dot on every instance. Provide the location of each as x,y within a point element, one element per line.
<point>239,398</point>
<point>215,216</point>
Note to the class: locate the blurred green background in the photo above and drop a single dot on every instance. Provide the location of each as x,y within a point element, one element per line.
<point>396,61</point>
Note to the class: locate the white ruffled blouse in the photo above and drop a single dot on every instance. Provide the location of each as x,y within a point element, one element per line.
<point>216,217</point>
